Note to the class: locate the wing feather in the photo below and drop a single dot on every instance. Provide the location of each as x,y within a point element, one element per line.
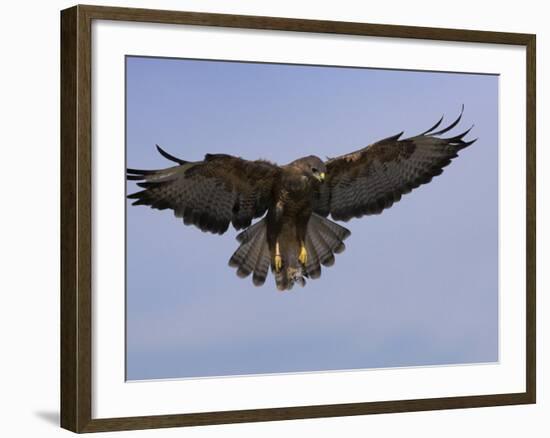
<point>372,179</point>
<point>209,194</point>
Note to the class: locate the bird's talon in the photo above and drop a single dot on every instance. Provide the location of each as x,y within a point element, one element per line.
<point>278,263</point>
<point>303,255</point>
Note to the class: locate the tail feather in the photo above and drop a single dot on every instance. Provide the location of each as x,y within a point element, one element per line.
<point>252,256</point>
<point>313,266</point>
<point>246,235</point>
<point>246,239</point>
<point>262,266</point>
<point>324,238</point>
<point>324,248</point>
<point>319,244</point>
<point>332,233</point>
<point>334,244</point>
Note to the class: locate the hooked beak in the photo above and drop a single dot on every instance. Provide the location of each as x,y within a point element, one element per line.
<point>320,176</point>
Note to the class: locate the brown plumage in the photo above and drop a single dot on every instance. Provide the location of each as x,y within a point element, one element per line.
<point>295,237</point>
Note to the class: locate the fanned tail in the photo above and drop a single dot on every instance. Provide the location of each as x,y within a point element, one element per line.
<point>324,238</point>
<point>252,256</point>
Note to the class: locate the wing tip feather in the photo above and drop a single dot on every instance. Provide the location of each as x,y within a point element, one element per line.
<point>169,156</point>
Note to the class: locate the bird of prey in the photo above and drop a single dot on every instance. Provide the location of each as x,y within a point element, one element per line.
<point>294,237</point>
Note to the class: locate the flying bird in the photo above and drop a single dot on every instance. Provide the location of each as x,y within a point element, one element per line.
<point>294,237</point>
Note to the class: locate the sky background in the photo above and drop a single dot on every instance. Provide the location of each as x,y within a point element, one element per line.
<point>417,285</point>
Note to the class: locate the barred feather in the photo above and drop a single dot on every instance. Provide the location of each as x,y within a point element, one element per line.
<point>372,179</point>
<point>210,194</point>
<point>252,256</point>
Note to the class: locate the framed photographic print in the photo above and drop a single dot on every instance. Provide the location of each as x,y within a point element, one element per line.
<point>269,218</point>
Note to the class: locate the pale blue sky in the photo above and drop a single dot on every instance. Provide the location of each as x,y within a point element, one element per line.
<point>417,285</point>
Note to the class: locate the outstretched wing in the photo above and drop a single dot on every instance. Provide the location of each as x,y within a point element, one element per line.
<point>210,194</point>
<point>373,178</point>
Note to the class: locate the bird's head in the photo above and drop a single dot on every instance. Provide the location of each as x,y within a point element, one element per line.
<point>311,166</point>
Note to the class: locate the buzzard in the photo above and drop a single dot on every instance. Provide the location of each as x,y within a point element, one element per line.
<point>294,237</point>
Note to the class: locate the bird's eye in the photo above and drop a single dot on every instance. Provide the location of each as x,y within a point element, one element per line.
<point>314,170</point>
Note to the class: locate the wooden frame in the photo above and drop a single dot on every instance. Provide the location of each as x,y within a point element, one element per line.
<point>76,311</point>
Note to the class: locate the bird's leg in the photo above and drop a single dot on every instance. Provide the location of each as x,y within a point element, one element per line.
<point>278,258</point>
<point>303,253</point>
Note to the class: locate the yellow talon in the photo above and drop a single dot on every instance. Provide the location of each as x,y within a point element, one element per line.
<point>278,262</point>
<point>303,255</point>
